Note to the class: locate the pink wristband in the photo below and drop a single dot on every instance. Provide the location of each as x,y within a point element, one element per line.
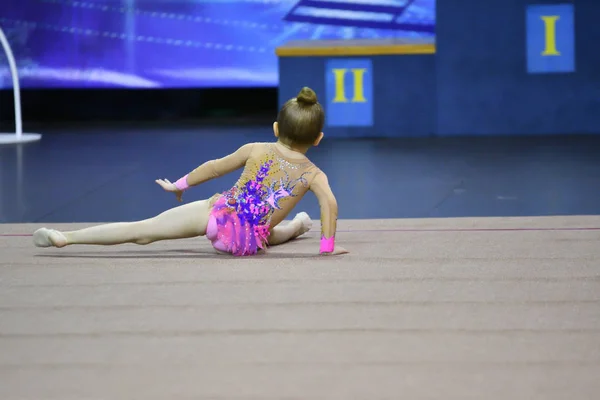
<point>182,184</point>
<point>327,245</point>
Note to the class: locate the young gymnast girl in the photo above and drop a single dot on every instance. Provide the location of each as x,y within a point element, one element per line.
<point>244,219</point>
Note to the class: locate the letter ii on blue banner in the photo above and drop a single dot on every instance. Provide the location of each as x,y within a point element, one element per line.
<point>349,91</point>
<point>550,38</point>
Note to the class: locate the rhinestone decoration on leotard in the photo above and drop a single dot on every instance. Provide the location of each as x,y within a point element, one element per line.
<point>283,163</point>
<point>288,165</point>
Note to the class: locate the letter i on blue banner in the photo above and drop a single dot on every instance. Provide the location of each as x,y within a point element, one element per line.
<point>349,91</point>
<point>550,38</point>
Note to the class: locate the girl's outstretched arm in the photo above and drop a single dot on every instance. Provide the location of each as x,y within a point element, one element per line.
<point>216,168</point>
<point>329,213</point>
<point>209,170</point>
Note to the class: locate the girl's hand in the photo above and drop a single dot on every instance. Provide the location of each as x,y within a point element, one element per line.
<point>336,251</point>
<point>170,187</point>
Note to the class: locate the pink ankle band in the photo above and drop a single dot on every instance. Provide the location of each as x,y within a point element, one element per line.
<point>327,245</point>
<point>182,184</point>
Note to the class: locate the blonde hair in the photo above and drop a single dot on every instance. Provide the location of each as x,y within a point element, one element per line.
<point>301,119</point>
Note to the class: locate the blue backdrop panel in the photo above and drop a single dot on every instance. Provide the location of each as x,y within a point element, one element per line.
<point>550,38</point>
<point>484,86</point>
<point>349,92</point>
<point>403,101</point>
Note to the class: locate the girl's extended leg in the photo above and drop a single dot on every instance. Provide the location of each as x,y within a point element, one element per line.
<point>298,226</point>
<point>181,222</point>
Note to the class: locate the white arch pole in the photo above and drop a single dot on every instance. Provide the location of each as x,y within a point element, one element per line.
<point>18,136</point>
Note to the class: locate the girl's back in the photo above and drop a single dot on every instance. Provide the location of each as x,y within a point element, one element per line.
<point>274,180</point>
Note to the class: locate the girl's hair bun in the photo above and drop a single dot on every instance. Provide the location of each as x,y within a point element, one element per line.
<point>307,96</point>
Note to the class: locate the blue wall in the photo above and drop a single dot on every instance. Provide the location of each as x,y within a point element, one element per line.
<point>477,83</point>
<point>483,84</point>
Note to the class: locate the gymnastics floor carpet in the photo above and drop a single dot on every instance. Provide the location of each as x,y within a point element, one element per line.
<point>455,308</point>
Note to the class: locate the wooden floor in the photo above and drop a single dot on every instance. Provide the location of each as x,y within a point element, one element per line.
<point>460,308</point>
